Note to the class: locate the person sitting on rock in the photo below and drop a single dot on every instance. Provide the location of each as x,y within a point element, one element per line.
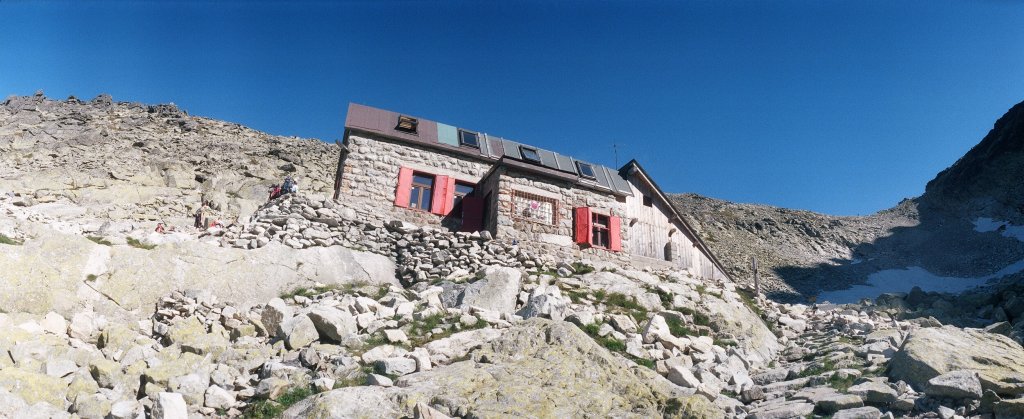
<point>160,228</point>
<point>275,191</point>
<point>199,218</point>
<point>295,187</point>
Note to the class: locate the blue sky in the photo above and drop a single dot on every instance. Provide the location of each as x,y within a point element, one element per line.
<point>833,106</point>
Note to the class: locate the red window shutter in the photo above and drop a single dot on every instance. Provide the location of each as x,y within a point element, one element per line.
<point>582,224</point>
<point>404,187</point>
<point>472,214</point>
<point>437,202</point>
<point>614,234</point>
<point>449,196</point>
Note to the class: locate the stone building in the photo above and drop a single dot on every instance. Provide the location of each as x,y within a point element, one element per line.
<point>396,166</point>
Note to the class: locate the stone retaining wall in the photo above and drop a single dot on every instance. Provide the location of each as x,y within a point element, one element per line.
<point>420,253</point>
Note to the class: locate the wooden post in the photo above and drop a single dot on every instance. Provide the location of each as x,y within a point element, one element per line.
<point>757,279</point>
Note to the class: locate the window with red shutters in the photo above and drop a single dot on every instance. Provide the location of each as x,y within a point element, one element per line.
<point>597,230</point>
<point>404,188</point>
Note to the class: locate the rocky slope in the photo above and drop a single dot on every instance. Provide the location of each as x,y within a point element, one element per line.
<point>295,308</point>
<point>802,253</point>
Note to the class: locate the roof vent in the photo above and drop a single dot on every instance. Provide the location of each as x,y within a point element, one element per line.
<point>407,124</point>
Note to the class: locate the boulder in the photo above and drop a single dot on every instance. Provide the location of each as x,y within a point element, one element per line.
<point>874,391</point>
<point>753,337</point>
<point>333,324</point>
<point>218,398</point>
<point>866,412</point>
<point>497,289</point>
<point>275,313</point>
<point>170,406</point>
<point>930,352</point>
<point>537,368</point>
<point>301,332</point>
<point>955,385</point>
<point>395,366</point>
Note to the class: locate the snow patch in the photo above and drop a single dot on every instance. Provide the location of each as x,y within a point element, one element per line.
<point>984,225</point>
<point>903,280</point>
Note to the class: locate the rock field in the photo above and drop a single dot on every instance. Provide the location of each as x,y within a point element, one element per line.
<point>296,308</point>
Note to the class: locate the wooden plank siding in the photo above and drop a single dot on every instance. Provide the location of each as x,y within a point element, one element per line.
<point>654,233</point>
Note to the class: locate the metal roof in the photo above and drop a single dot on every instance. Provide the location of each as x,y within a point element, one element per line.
<point>440,136</point>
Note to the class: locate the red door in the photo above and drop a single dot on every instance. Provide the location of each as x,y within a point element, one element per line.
<point>472,214</point>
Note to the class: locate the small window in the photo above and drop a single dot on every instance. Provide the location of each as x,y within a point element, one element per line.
<point>586,170</point>
<point>407,124</point>
<point>530,154</point>
<point>469,139</point>
<point>422,191</point>
<point>648,202</point>
<point>536,208</point>
<point>462,190</point>
<point>599,226</point>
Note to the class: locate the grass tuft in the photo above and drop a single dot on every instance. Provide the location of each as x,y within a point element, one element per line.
<point>99,240</point>
<point>7,240</point>
<point>140,245</point>
<point>266,409</point>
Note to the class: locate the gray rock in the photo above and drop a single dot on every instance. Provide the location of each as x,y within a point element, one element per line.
<point>955,385</point>
<point>170,406</point>
<point>930,352</point>
<point>874,391</point>
<point>333,324</point>
<point>496,290</point>
<point>395,366</point>
<point>275,313</point>
<point>379,380</point>
<point>866,412</point>
<point>218,398</point>
<point>302,332</point>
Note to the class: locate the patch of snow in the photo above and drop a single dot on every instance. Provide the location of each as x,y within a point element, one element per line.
<point>903,280</point>
<point>984,225</point>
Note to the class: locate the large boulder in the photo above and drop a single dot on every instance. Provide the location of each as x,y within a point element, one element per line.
<point>930,352</point>
<point>66,272</point>
<point>752,335</point>
<point>537,368</point>
<point>497,289</point>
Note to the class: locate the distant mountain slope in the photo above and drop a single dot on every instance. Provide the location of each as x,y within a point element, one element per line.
<point>989,180</point>
<point>802,253</point>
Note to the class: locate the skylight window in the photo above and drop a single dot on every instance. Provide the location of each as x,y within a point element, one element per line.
<point>586,170</point>
<point>530,154</point>
<point>469,139</point>
<point>407,124</point>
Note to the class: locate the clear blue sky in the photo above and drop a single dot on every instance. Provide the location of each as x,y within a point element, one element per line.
<point>833,106</point>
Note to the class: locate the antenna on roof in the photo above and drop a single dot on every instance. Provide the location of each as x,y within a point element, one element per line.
<point>615,149</point>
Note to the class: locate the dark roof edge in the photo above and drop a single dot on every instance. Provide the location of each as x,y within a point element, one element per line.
<point>545,171</point>
<point>624,172</point>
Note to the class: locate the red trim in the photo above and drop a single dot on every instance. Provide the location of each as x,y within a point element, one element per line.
<point>437,201</point>
<point>404,188</point>
<point>582,225</point>
<point>449,196</point>
<point>614,234</point>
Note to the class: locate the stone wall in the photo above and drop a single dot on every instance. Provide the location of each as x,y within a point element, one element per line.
<point>420,253</point>
<point>554,238</point>
<point>370,178</point>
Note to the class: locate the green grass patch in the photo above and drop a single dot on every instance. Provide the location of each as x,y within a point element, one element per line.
<point>7,240</point>
<point>819,368</point>
<point>99,240</point>
<point>581,268</point>
<point>266,409</point>
<point>841,384</point>
<point>140,245</point>
<point>90,278</point>
<point>420,331</point>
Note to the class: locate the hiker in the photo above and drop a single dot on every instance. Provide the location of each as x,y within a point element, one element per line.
<point>275,190</point>
<point>287,186</point>
<point>199,218</point>
<point>160,228</point>
<point>295,187</point>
